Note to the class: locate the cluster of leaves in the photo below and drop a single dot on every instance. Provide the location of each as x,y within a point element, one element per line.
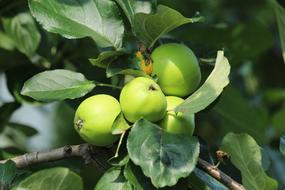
<point>150,158</point>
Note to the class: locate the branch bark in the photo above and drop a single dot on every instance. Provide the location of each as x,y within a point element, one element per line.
<point>48,156</point>
<point>82,150</point>
<point>86,151</point>
<point>219,175</point>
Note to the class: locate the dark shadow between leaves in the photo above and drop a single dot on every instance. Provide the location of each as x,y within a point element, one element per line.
<point>72,2</point>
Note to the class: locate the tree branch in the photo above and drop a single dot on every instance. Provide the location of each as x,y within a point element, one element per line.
<point>219,175</point>
<point>48,156</point>
<point>86,151</point>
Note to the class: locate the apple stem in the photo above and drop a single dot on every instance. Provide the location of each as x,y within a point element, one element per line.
<point>118,147</point>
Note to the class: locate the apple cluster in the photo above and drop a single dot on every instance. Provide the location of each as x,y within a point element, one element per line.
<point>178,75</point>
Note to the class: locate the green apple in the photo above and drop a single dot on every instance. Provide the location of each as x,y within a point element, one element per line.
<point>94,119</point>
<point>142,97</point>
<point>177,123</point>
<point>177,69</point>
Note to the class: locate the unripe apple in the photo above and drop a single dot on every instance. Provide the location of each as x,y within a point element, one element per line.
<point>94,119</point>
<point>177,69</point>
<point>142,97</point>
<point>177,123</point>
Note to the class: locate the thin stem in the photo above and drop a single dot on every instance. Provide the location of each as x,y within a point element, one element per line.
<point>108,85</point>
<point>119,144</point>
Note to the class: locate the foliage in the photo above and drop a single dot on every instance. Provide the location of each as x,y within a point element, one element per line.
<point>56,53</point>
<point>170,156</point>
<point>77,19</point>
<point>45,86</point>
<point>55,178</point>
<point>280,12</point>
<point>246,156</point>
<point>8,173</point>
<point>149,28</point>
<point>210,90</point>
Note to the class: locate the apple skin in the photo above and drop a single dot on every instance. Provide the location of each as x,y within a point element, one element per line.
<point>177,69</point>
<point>177,123</point>
<point>94,119</point>
<point>142,97</point>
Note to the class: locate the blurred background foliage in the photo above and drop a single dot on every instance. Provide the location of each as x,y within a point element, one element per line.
<point>254,102</point>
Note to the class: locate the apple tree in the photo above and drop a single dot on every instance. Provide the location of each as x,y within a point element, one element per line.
<point>142,95</point>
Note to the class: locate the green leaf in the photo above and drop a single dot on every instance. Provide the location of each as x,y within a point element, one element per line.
<point>113,179</point>
<point>280,17</point>
<point>278,122</point>
<point>26,130</point>
<point>120,125</point>
<point>112,71</point>
<point>210,90</point>
<point>6,111</point>
<point>244,38</point>
<point>15,136</point>
<point>6,42</point>
<point>247,157</point>
<point>7,142</point>
<point>282,145</point>
<point>237,115</point>
<point>139,181</point>
<point>23,32</point>
<point>57,85</point>
<point>136,177</point>
<point>162,156</point>
<point>106,58</point>
<point>98,19</point>
<point>8,172</point>
<point>274,96</point>
<point>149,27</point>
<point>131,7</point>
<point>121,157</point>
<point>54,178</point>
<point>120,160</point>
